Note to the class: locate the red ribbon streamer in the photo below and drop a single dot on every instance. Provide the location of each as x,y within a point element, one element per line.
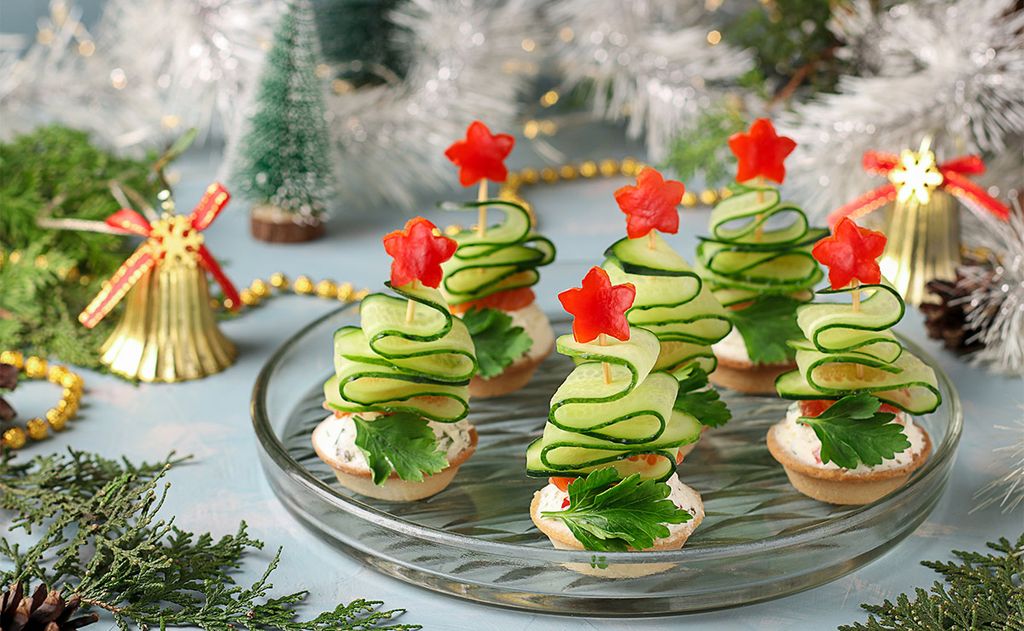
<point>955,181</point>
<point>129,222</point>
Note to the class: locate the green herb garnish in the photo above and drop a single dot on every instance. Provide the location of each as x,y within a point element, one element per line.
<point>403,443</point>
<point>854,431</point>
<point>766,326</point>
<point>607,515</point>
<point>698,400</point>
<point>498,343</point>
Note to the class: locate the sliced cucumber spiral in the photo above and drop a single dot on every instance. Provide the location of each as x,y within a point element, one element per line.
<point>758,245</point>
<point>505,257</point>
<point>671,302</point>
<point>593,424</point>
<point>390,365</point>
<point>847,351</point>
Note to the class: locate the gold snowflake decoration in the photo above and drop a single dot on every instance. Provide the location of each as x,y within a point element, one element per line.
<point>916,176</point>
<point>175,241</point>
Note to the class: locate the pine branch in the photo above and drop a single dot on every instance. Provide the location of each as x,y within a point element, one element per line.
<point>99,537</point>
<point>979,591</point>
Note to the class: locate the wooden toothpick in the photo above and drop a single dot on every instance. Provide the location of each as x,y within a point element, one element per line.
<point>602,340</point>
<point>481,218</point>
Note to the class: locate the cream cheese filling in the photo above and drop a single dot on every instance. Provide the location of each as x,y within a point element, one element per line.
<point>552,498</point>
<point>339,437</point>
<point>801,443</point>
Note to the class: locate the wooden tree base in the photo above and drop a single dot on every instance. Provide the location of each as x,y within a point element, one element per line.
<point>273,225</point>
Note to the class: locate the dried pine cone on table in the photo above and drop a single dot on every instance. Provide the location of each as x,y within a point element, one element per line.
<point>8,381</point>
<point>45,610</point>
<point>947,319</point>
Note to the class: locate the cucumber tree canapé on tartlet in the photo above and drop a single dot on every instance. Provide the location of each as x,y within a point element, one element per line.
<point>757,261</point>
<point>400,392</point>
<point>488,281</point>
<point>850,436</point>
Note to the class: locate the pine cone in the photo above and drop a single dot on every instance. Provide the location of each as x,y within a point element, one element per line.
<point>947,320</point>
<point>44,611</point>
<point>8,380</point>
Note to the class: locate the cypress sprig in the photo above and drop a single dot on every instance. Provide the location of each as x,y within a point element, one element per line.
<point>97,535</point>
<point>978,591</point>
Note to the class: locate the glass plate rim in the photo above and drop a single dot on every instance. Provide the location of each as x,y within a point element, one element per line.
<point>276,450</point>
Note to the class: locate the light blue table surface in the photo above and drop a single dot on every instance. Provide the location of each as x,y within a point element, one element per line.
<point>210,418</point>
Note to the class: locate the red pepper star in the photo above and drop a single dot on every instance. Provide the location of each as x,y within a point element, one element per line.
<point>651,204</point>
<point>418,251</point>
<point>761,152</point>
<point>851,253</point>
<point>598,307</point>
<point>481,156</point>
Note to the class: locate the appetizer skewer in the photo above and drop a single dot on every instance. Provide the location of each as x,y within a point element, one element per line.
<point>488,281</point>
<point>604,438</point>
<point>758,263</point>
<point>399,395</point>
<point>850,437</point>
<point>671,299</point>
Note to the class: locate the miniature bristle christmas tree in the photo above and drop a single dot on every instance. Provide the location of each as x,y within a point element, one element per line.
<point>284,164</point>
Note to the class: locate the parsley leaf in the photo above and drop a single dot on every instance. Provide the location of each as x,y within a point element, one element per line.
<point>606,516</point>
<point>497,342</point>
<point>403,443</point>
<point>698,400</point>
<point>767,326</point>
<point>854,431</point>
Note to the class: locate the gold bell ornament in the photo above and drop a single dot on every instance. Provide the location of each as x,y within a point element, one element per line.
<point>922,216</point>
<point>168,331</point>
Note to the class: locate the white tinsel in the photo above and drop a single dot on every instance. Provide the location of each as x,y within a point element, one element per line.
<point>1007,490</point>
<point>61,77</point>
<point>995,306</point>
<point>467,62</point>
<point>954,71</point>
<point>196,58</point>
<point>648,60</point>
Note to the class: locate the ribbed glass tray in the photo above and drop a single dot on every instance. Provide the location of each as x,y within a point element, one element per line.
<point>760,539</point>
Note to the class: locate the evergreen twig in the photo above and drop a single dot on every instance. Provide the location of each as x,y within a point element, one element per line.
<point>98,537</point>
<point>979,591</point>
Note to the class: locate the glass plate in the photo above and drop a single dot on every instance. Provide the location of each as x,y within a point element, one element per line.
<point>760,540</point>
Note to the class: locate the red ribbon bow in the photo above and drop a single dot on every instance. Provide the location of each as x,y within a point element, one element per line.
<point>955,181</point>
<point>184,231</point>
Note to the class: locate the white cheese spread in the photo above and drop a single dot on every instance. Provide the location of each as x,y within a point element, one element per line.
<point>803,445</point>
<point>338,436</point>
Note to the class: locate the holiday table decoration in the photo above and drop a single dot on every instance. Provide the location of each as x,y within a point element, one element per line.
<point>399,395</point>
<point>167,331</point>
<point>613,436</point>
<point>922,219</point>
<point>284,165</point>
<point>488,282</point>
<point>757,262</point>
<point>849,437</point>
<point>55,419</point>
<point>671,300</point>
<point>111,551</point>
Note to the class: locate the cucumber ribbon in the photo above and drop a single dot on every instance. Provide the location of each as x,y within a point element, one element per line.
<point>759,245</point>
<point>839,340</point>
<point>390,365</point>
<point>671,302</point>
<point>505,257</point>
<point>593,424</point>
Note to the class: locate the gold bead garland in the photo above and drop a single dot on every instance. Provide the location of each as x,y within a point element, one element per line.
<point>57,417</point>
<point>261,289</point>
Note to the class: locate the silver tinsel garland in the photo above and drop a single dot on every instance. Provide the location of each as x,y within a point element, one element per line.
<point>1007,490</point>
<point>194,58</point>
<point>995,305</point>
<point>652,62</point>
<point>152,70</point>
<point>467,60</point>
<point>954,71</point>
